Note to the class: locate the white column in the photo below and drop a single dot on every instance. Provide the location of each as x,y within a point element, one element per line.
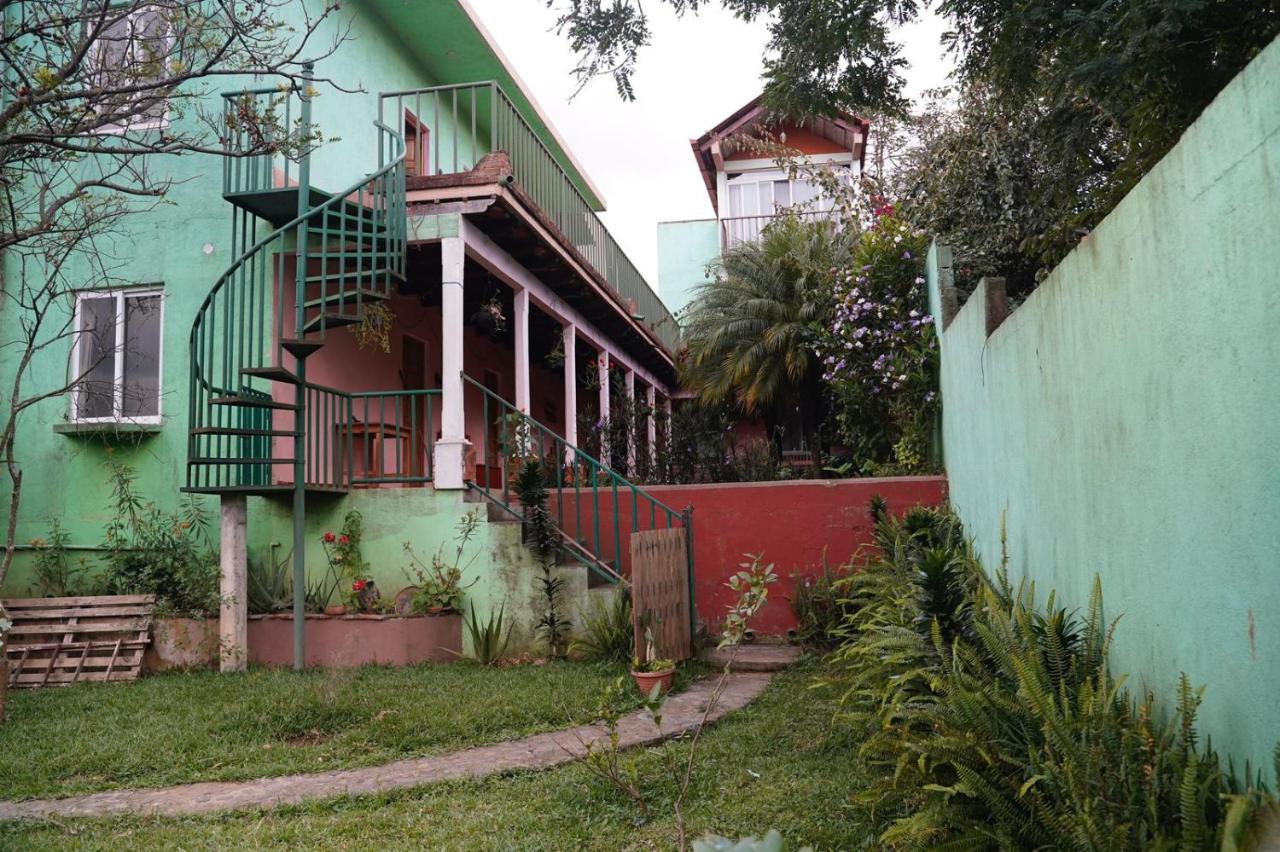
<point>570,347</point>
<point>451,449</point>
<point>602,371</point>
<point>630,385</point>
<point>233,612</point>
<point>651,422</point>
<point>521,329</point>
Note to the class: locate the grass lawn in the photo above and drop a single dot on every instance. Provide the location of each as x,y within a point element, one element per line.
<point>778,763</point>
<point>203,726</point>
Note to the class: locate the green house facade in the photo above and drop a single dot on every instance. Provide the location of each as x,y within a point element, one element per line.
<point>441,302</point>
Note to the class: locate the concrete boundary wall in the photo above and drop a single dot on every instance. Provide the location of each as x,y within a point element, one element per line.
<point>1125,420</point>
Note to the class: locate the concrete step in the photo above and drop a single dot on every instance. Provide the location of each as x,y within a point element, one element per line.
<point>752,658</point>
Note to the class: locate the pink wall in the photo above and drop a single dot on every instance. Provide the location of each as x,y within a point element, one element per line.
<point>343,365</point>
<point>788,523</point>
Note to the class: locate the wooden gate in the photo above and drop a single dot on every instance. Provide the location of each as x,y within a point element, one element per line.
<point>660,591</point>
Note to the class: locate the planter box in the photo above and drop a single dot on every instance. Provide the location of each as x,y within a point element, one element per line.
<point>182,643</point>
<point>346,641</point>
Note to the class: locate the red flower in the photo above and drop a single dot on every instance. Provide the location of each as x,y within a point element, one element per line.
<point>342,539</point>
<point>358,586</point>
<point>328,538</point>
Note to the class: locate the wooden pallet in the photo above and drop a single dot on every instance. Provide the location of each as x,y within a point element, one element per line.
<point>60,641</point>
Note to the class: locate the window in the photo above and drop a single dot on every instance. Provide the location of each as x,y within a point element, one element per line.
<point>116,356</point>
<point>133,50</point>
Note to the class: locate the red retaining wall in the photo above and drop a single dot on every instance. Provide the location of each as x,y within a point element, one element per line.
<point>789,523</point>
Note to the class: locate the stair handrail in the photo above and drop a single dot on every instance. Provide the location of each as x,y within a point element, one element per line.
<point>338,198</point>
<point>562,450</point>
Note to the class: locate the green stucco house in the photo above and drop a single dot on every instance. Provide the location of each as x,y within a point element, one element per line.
<point>388,323</point>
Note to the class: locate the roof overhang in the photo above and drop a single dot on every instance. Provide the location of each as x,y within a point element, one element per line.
<point>845,129</point>
<point>452,45</point>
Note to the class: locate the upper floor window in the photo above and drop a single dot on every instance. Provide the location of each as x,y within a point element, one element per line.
<point>116,356</point>
<point>132,51</point>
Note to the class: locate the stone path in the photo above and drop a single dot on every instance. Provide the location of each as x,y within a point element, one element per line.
<point>682,713</point>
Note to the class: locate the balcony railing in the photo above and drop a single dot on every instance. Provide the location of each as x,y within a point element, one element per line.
<point>735,230</point>
<point>465,122</point>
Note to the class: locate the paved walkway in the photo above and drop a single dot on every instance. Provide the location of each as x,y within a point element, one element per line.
<point>682,713</point>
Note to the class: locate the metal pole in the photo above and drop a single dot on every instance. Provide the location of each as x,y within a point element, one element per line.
<point>300,393</point>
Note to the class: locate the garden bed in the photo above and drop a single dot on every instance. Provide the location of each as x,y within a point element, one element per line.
<point>345,641</point>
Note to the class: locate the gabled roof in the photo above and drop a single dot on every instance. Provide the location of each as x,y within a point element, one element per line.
<point>845,130</point>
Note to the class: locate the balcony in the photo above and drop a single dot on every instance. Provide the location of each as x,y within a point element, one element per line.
<point>458,134</point>
<point>735,230</point>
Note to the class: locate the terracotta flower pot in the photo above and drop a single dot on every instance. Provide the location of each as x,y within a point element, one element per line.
<point>646,680</point>
<point>336,610</point>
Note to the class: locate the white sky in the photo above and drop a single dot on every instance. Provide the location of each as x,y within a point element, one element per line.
<point>696,72</point>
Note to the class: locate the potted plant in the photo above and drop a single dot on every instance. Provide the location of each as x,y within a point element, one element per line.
<point>652,672</point>
<point>490,319</point>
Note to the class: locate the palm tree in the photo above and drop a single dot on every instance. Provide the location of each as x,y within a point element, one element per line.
<point>750,331</point>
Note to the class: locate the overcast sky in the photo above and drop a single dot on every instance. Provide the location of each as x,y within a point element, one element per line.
<point>697,71</point>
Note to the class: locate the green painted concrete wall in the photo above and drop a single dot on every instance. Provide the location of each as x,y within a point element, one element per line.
<point>65,475</point>
<point>684,251</point>
<point>499,570</point>
<point>1123,419</point>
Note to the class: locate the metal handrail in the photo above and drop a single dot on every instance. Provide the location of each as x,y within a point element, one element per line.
<point>485,107</point>
<point>578,480</point>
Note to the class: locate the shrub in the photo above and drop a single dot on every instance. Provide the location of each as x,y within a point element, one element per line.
<point>821,607</point>
<point>169,555</point>
<point>56,576</point>
<point>995,722</point>
<point>608,634</point>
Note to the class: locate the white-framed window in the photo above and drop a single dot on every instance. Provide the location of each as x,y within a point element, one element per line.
<point>766,194</point>
<point>132,49</point>
<point>116,356</point>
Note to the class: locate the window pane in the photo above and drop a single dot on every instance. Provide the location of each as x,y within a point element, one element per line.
<point>97,347</point>
<point>803,191</point>
<point>142,356</point>
<point>782,193</point>
<point>766,198</point>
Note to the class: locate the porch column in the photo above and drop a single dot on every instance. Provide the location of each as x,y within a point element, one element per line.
<point>521,330</point>
<point>651,423</point>
<point>630,384</point>
<point>233,611</point>
<point>570,347</point>
<point>451,449</point>
<point>602,372</point>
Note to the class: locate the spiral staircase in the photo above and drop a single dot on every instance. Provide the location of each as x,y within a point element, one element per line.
<point>257,427</point>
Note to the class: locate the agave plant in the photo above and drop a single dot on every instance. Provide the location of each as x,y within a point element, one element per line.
<point>489,640</point>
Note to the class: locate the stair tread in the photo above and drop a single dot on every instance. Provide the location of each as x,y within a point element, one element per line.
<point>237,460</point>
<point>275,374</point>
<point>238,432</point>
<point>329,320</point>
<point>364,295</point>
<point>300,346</point>
<point>252,402</point>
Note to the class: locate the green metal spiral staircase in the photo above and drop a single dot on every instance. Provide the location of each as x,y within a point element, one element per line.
<point>256,425</point>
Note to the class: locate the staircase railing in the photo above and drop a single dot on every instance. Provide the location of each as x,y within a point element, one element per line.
<point>327,263</point>
<point>593,506</point>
